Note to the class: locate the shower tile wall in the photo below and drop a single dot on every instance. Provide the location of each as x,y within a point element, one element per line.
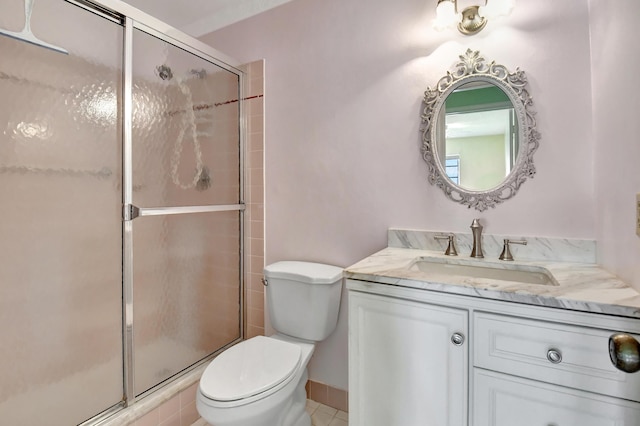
<point>254,244</point>
<point>177,411</point>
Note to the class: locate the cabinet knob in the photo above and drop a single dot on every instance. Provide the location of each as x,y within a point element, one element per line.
<point>624,351</point>
<point>554,356</point>
<point>457,339</point>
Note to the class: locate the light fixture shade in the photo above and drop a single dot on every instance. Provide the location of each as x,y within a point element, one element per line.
<point>446,16</point>
<point>497,8</point>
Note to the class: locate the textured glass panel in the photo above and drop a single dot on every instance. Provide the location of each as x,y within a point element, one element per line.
<point>186,291</point>
<point>185,128</point>
<point>60,225</point>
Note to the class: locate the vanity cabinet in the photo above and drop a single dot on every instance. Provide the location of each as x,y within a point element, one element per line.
<point>408,362</point>
<point>519,365</point>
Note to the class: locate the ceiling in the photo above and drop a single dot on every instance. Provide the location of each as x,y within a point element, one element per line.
<point>199,17</point>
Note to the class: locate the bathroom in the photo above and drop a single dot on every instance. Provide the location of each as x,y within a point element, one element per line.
<point>343,89</point>
<point>344,84</point>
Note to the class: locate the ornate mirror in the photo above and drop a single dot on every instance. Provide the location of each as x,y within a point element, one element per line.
<point>479,132</point>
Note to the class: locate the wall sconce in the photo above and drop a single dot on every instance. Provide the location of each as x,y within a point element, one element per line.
<point>473,18</point>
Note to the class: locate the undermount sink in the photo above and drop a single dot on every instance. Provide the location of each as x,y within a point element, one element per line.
<point>460,269</point>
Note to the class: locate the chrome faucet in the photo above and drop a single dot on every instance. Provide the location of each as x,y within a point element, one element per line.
<point>451,246</point>
<point>476,230</point>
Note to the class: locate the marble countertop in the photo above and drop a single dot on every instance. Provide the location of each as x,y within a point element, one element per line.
<point>581,286</point>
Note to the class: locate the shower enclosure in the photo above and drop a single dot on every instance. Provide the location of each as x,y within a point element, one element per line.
<point>121,179</point>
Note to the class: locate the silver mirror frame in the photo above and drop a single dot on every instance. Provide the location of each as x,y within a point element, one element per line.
<point>473,67</point>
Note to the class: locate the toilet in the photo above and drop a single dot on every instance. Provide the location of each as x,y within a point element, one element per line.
<point>261,381</point>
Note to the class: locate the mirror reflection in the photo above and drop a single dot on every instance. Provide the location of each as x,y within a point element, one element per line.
<point>477,143</point>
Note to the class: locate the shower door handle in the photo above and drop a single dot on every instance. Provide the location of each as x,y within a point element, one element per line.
<point>131,211</point>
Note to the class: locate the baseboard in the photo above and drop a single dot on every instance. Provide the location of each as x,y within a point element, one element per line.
<point>328,395</point>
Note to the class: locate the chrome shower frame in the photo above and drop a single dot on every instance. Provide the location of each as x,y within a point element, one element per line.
<point>132,18</point>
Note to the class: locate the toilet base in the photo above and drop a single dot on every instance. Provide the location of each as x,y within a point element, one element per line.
<point>297,415</point>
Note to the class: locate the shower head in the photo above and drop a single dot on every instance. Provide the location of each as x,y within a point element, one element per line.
<point>164,72</point>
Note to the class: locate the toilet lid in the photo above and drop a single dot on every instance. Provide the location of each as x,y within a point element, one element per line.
<point>249,368</point>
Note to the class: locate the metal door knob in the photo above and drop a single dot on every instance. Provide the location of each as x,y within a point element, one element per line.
<point>624,351</point>
<point>457,339</point>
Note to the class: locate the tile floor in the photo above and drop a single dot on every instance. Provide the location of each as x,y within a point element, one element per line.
<point>321,415</point>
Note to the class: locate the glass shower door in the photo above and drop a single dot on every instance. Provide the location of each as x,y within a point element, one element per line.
<point>60,221</point>
<point>186,189</point>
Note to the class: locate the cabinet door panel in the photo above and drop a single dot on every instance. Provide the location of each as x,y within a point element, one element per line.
<point>403,367</point>
<point>503,400</point>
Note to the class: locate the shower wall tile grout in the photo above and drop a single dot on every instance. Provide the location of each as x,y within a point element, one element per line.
<point>254,220</point>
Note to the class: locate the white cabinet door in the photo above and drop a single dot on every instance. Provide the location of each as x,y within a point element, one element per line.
<point>404,369</point>
<point>503,400</point>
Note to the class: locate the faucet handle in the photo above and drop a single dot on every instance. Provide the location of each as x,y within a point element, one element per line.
<point>506,251</point>
<point>451,247</point>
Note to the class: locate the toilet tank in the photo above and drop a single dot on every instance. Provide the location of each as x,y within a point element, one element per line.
<point>303,298</point>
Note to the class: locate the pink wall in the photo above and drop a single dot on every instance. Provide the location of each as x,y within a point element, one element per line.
<point>616,105</point>
<point>342,142</point>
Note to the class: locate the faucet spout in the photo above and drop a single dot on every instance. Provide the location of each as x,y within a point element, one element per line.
<point>476,230</point>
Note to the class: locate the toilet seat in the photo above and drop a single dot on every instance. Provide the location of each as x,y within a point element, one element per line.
<point>250,370</point>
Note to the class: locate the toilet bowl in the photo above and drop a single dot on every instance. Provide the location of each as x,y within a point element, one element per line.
<point>261,381</point>
<point>235,391</point>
